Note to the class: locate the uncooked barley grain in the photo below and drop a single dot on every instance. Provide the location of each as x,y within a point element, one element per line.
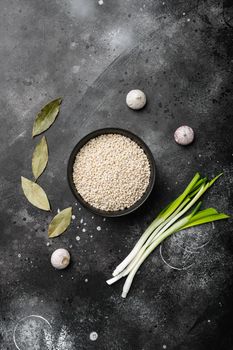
<point>111,172</point>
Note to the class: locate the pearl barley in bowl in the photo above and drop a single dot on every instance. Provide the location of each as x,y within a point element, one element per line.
<point>112,173</point>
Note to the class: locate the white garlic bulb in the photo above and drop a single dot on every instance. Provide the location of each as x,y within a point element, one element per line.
<point>184,135</point>
<point>60,258</point>
<point>136,99</point>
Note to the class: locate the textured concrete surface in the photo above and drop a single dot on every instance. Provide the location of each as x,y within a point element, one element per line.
<point>91,53</point>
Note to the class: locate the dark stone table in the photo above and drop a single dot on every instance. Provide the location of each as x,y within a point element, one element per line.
<point>92,53</point>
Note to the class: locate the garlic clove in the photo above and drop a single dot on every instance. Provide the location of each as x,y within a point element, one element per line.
<point>60,259</point>
<point>184,135</point>
<point>136,99</point>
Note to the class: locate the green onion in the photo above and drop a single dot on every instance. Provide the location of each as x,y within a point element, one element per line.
<point>155,224</point>
<point>170,220</point>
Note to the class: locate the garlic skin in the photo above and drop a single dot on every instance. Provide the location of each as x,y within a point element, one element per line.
<point>136,99</point>
<point>184,135</point>
<point>60,258</point>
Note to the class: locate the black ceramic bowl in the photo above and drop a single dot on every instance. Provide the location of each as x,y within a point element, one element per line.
<point>133,137</point>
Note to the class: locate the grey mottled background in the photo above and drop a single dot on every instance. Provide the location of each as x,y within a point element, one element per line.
<point>91,53</point>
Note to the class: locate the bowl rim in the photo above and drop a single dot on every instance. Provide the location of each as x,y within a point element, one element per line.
<point>133,137</point>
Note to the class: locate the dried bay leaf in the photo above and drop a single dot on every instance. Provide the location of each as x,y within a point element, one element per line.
<point>46,117</point>
<point>40,158</point>
<point>35,194</point>
<point>60,222</point>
